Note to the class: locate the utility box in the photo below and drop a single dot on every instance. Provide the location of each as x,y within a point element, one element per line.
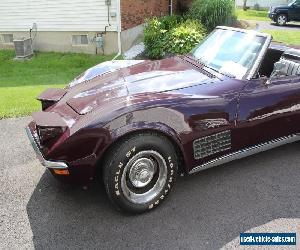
<point>23,48</point>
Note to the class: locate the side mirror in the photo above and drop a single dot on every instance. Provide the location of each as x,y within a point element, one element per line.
<point>265,80</point>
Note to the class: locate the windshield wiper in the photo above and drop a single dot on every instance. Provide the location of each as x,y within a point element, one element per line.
<point>198,60</point>
<point>228,75</point>
<point>222,73</point>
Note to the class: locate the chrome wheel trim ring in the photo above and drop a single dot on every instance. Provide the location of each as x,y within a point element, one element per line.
<point>142,159</point>
<point>141,172</point>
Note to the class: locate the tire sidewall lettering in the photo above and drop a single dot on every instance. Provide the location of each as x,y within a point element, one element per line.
<point>120,169</point>
<point>169,180</point>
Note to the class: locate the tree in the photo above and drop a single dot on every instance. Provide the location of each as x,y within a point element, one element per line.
<point>245,5</point>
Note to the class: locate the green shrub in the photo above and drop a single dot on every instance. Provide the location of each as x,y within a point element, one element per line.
<point>169,22</point>
<point>171,35</point>
<point>185,37</point>
<point>154,38</point>
<point>212,13</point>
<point>155,34</point>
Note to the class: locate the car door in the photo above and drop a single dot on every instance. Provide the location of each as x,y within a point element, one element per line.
<point>269,109</point>
<point>210,114</point>
<point>294,11</point>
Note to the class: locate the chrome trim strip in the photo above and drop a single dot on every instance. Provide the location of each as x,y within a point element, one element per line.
<point>247,152</point>
<point>46,163</point>
<point>243,30</point>
<point>260,57</point>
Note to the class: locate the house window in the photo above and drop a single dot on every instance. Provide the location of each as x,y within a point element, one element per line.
<point>80,40</point>
<point>7,38</point>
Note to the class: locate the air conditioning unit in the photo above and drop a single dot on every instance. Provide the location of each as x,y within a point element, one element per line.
<point>23,47</point>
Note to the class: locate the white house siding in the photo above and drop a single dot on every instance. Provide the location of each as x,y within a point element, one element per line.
<point>57,21</point>
<point>55,15</point>
<point>262,3</point>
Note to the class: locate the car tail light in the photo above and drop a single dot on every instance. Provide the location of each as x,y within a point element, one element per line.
<point>46,134</point>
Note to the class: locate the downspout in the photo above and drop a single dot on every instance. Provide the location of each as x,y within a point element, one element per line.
<point>170,7</point>
<point>119,30</point>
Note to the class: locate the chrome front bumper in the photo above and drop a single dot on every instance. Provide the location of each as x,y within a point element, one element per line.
<point>46,163</point>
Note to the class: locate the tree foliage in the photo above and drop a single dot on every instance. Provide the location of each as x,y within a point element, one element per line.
<point>212,13</point>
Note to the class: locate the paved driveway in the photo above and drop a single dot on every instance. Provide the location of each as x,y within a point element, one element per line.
<point>292,26</point>
<point>269,25</point>
<point>205,211</point>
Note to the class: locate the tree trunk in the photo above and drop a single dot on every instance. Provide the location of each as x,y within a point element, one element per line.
<point>245,5</point>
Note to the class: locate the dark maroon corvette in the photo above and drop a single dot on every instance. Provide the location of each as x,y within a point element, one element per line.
<point>143,122</point>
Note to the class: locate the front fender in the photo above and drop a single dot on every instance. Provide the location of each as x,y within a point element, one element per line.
<point>282,11</point>
<point>166,121</point>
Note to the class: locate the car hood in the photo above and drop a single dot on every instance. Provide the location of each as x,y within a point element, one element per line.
<point>147,77</point>
<point>279,7</point>
<point>103,68</point>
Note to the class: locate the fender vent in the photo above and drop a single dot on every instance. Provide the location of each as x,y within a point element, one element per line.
<point>212,144</point>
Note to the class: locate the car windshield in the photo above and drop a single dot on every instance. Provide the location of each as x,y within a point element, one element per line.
<point>292,2</point>
<point>230,52</point>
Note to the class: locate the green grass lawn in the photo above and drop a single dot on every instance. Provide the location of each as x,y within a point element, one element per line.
<point>22,81</point>
<point>284,36</point>
<point>259,15</point>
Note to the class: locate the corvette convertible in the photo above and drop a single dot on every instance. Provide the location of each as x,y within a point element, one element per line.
<point>140,124</point>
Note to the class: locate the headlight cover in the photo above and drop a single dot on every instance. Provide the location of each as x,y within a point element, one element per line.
<point>46,134</point>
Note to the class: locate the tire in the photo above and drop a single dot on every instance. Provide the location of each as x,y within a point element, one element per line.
<point>139,172</point>
<point>281,19</point>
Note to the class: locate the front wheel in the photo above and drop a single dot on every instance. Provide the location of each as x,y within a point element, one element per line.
<point>281,19</point>
<point>140,171</point>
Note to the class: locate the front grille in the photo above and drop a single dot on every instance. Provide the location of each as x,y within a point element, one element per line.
<point>212,144</point>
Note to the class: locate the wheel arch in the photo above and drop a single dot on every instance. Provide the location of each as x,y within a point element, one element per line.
<point>169,135</point>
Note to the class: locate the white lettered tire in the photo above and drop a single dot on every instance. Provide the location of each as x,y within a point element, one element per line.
<point>140,171</point>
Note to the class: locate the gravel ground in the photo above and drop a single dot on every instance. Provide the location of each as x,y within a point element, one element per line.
<point>207,210</point>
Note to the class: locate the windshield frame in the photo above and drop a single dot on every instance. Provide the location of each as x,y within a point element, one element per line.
<point>292,3</point>
<point>254,68</point>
